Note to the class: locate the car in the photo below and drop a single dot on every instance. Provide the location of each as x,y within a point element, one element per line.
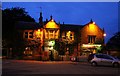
<point>90,57</point>
<point>103,59</point>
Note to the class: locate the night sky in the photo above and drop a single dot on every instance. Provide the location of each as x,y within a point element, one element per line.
<point>104,14</point>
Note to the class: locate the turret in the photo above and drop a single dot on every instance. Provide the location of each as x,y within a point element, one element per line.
<point>51,17</point>
<point>41,19</point>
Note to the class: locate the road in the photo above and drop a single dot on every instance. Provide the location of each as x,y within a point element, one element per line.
<point>27,67</point>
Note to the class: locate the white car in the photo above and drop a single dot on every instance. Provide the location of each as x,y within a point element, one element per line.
<point>104,59</point>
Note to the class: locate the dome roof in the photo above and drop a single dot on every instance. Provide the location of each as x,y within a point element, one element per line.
<point>51,24</point>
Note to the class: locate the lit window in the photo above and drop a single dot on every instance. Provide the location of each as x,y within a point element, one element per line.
<point>56,34</point>
<point>51,34</point>
<point>68,35</point>
<point>91,39</point>
<point>46,34</point>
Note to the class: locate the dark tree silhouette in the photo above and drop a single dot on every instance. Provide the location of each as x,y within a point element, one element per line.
<point>10,35</point>
<point>114,42</point>
<point>60,47</point>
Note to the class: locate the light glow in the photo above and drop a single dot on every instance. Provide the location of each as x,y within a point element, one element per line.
<point>91,27</point>
<point>91,45</point>
<point>52,20</point>
<point>38,30</point>
<point>38,33</point>
<point>104,34</point>
<point>93,22</point>
<point>51,24</point>
<point>51,43</point>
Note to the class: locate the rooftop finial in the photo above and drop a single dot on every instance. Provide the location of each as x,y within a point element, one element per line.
<point>41,18</point>
<point>40,9</point>
<point>91,20</point>
<point>51,17</point>
<point>63,23</point>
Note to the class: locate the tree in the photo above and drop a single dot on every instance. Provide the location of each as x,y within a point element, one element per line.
<point>11,38</point>
<point>60,47</point>
<point>114,42</point>
<point>10,16</point>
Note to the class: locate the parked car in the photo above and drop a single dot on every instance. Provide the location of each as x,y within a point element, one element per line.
<point>103,59</point>
<point>90,57</point>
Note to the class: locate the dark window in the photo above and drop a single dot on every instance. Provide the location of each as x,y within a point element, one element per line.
<point>51,31</point>
<point>71,36</point>
<point>107,57</point>
<point>99,56</point>
<point>26,34</point>
<point>64,37</point>
<point>91,39</point>
<point>30,34</point>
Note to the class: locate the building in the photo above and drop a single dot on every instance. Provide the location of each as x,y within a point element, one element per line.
<point>48,37</point>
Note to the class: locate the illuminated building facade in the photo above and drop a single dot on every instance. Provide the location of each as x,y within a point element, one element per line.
<point>59,39</point>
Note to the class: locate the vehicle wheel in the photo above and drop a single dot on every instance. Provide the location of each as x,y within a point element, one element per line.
<point>115,64</point>
<point>94,64</point>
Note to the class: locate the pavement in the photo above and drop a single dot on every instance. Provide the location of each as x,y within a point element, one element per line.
<point>6,61</point>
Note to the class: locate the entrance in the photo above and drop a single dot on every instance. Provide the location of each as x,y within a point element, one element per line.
<point>51,55</point>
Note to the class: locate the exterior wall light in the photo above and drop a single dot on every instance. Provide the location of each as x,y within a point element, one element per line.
<point>52,20</point>
<point>51,43</point>
<point>38,30</point>
<point>93,22</point>
<point>104,34</point>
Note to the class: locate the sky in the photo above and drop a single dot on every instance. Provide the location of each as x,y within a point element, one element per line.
<point>104,14</point>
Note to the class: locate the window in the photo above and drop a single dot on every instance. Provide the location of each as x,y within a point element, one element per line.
<point>91,39</point>
<point>46,34</point>
<point>104,57</point>
<point>68,35</point>
<point>107,57</point>
<point>56,34</point>
<point>72,36</point>
<point>64,35</point>
<point>51,35</point>
<point>26,34</point>
<point>30,34</point>
<point>51,31</point>
<point>99,56</point>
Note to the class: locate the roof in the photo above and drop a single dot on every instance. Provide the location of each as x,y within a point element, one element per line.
<point>27,25</point>
<point>92,22</point>
<point>51,24</point>
<point>70,27</point>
